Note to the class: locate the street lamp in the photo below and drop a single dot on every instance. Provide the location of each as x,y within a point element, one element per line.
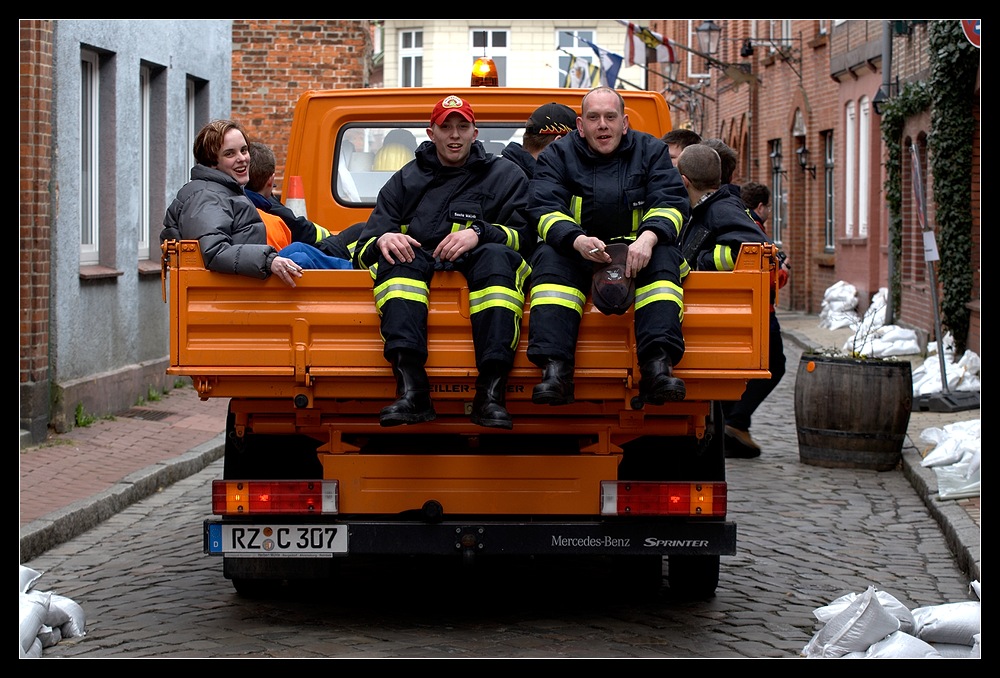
<point>709,34</point>
<point>776,162</point>
<point>803,154</point>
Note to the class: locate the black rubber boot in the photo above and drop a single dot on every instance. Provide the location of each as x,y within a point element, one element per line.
<point>489,406</point>
<point>557,384</point>
<point>658,384</point>
<point>413,393</point>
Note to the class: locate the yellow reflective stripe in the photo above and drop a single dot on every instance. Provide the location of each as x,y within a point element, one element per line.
<point>671,214</point>
<point>321,232</point>
<point>722,257</point>
<point>522,273</point>
<point>513,238</point>
<point>402,288</point>
<point>558,295</point>
<point>576,207</point>
<point>496,297</point>
<point>660,290</point>
<point>685,268</point>
<point>548,220</point>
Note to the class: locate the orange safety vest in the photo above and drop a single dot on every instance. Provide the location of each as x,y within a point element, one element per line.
<point>278,234</point>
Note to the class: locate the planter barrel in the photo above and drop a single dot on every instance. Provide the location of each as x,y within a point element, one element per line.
<point>852,412</point>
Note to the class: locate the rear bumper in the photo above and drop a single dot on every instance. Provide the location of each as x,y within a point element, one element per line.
<point>609,538</point>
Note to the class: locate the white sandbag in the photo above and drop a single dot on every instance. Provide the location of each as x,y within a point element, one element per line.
<point>888,601</point>
<point>860,625</point>
<point>76,620</point>
<point>58,613</point>
<point>958,481</point>
<point>976,652</point>
<point>949,623</point>
<point>33,652</point>
<point>33,607</point>
<point>27,578</point>
<point>953,651</point>
<point>897,645</point>
<point>49,636</point>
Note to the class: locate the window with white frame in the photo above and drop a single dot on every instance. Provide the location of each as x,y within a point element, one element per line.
<point>145,98</point>
<point>90,252</point>
<point>494,44</point>
<point>411,58</point>
<point>864,168</point>
<point>850,168</point>
<point>576,59</point>
<point>191,117</point>
<point>829,222</point>
<point>697,67</point>
<point>779,201</point>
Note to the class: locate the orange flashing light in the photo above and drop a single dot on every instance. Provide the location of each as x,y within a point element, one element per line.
<point>484,73</point>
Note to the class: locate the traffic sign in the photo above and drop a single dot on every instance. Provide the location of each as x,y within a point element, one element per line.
<point>971,27</point>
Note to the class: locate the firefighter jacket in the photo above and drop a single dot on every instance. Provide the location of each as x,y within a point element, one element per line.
<point>213,209</point>
<point>635,189</point>
<point>428,200</point>
<point>516,154</point>
<point>722,223</point>
<point>488,190</point>
<point>616,197</point>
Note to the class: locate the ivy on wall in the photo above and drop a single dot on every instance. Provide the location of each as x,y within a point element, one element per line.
<point>949,93</point>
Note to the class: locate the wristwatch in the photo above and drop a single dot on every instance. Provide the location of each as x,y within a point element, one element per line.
<point>477,229</point>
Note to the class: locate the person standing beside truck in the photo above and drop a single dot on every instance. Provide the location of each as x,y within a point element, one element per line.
<point>603,186</point>
<point>549,122</point>
<point>453,207</point>
<point>213,209</point>
<point>739,443</point>
<point>720,224</point>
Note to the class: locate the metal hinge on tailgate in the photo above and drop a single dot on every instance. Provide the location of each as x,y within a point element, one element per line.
<point>167,249</point>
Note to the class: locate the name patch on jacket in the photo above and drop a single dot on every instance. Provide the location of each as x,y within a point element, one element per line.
<point>465,211</point>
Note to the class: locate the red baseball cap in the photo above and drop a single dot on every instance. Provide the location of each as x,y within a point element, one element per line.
<point>452,104</point>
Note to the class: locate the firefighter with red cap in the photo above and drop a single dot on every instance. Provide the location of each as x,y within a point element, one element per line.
<point>453,207</point>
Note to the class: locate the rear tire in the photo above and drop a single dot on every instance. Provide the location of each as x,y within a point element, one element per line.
<point>270,457</point>
<point>693,577</point>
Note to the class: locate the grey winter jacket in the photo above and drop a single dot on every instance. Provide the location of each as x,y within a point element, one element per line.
<point>213,209</point>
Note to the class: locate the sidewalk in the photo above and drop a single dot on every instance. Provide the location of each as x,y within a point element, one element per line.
<point>75,480</point>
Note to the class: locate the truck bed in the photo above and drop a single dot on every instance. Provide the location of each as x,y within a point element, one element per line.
<point>314,352</point>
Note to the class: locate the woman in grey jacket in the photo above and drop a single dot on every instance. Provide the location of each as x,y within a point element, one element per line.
<point>213,209</point>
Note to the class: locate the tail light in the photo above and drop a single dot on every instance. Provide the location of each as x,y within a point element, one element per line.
<point>632,498</point>
<point>274,497</point>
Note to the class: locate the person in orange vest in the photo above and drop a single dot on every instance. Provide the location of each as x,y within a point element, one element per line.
<point>293,236</point>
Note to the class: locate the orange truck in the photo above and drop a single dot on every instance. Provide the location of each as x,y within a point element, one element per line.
<point>311,479</point>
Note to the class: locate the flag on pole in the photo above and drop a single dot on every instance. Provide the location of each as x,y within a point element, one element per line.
<point>639,39</point>
<point>610,64</point>
<point>583,74</point>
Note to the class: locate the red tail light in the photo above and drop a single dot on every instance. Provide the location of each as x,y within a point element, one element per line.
<point>631,498</point>
<point>285,497</point>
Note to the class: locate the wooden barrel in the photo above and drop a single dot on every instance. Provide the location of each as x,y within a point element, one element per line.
<point>852,413</point>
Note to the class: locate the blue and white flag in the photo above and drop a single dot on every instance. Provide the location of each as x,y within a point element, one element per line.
<point>610,64</point>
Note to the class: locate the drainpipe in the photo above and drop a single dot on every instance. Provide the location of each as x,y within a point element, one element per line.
<point>890,311</point>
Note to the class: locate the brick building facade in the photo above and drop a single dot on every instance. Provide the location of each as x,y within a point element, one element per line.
<point>794,84</point>
<point>275,61</point>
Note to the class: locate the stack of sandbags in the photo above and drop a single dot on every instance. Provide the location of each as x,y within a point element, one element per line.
<point>45,618</point>
<point>875,625</point>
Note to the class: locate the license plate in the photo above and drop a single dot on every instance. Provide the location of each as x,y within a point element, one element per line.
<point>277,540</point>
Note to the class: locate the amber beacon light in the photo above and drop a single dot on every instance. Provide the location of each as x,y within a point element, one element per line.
<point>484,73</point>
